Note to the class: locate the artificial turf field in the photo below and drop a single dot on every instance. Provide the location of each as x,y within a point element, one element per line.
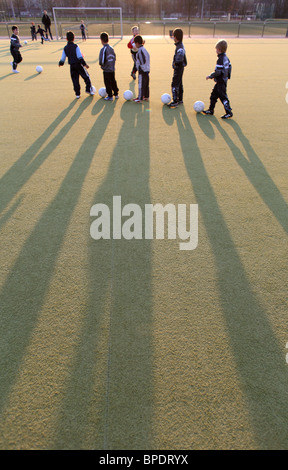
<point>135,344</point>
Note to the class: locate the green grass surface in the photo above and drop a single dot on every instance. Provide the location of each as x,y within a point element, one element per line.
<point>118,344</point>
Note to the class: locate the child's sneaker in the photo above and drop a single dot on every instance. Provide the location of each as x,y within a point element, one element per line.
<point>173,104</point>
<point>108,98</point>
<point>116,97</point>
<point>77,97</point>
<point>137,100</point>
<point>227,115</point>
<point>208,111</point>
<point>16,71</point>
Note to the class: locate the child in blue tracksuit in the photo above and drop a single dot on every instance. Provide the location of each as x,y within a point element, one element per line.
<point>77,64</point>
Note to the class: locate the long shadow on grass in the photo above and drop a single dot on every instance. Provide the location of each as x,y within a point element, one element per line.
<point>259,358</point>
<point>5,76</point>
<point>31,77</point>
<point>255,172</point>
<point>22,170</point>
<point>128,415</point>
<point>116,413</point>
<point>23,293</point>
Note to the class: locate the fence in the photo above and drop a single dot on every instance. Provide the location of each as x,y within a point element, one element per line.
<point>163,28</point>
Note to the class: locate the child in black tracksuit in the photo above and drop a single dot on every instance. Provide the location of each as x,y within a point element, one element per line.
<point>179,62</point>
<point>41,31</point>
<point>14,49</point>
<point>221,75</point>
<point>33,32</point>
<point>107,59</point>
<point>77,64</point>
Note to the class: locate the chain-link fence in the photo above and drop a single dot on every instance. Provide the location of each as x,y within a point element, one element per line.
<point>161,28</point>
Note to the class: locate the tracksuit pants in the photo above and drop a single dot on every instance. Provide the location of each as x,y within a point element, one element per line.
<point>17,58</point>
<point>110,84</point>
<point>220,91</point>
<point>177,84</point>
<point>77,70</point>
<point>133,54</point>
<point>143,85</point>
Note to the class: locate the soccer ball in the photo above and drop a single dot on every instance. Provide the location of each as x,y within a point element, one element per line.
<point>92,90</point>
<point>39,68</point>
<point>102,92</point>
<point>25,42</point>
<point>128,95</point>
<point>166,98</point>
<point>198,106</point>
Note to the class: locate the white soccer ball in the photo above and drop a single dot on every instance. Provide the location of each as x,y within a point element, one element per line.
<point>39,69</point>
<point>128,95</point>
<point>92,90</point>
<point>25,42</point>
<point>198,106</point>
<point>166,98</point>
<point>102,92</point>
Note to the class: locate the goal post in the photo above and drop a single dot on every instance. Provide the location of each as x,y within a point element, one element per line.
<point>90,16</point>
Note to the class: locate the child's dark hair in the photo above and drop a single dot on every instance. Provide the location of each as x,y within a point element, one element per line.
<point>14,27</point>
<point>104,37</point>
<point>70,36</point>
<point>138,39</point>
<point>222,45</point>
<point>178,34</point>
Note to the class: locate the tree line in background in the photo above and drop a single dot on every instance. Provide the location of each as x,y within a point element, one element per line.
<point>158,9</point>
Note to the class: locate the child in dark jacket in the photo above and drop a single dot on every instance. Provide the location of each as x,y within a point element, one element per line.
<point>41,31</point>
<point>221,75</point>
<point>14,48</point>
<point>33,32</point>
<point>107,59</point>
<point>77,64</point>
<point>179,62</point>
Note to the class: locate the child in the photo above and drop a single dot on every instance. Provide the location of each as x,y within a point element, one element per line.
<point>133,49</point>
<point>143,67</point>
<point>179,62</point>
<point>33,32</point>
<point>107,59</point>
<point>14,49</point>
<point>77,64</point>
<point>41,31</point>
<point>221,75</point>
<point>83,30</point>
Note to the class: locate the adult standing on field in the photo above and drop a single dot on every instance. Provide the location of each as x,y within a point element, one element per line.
<point>47,23</point>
